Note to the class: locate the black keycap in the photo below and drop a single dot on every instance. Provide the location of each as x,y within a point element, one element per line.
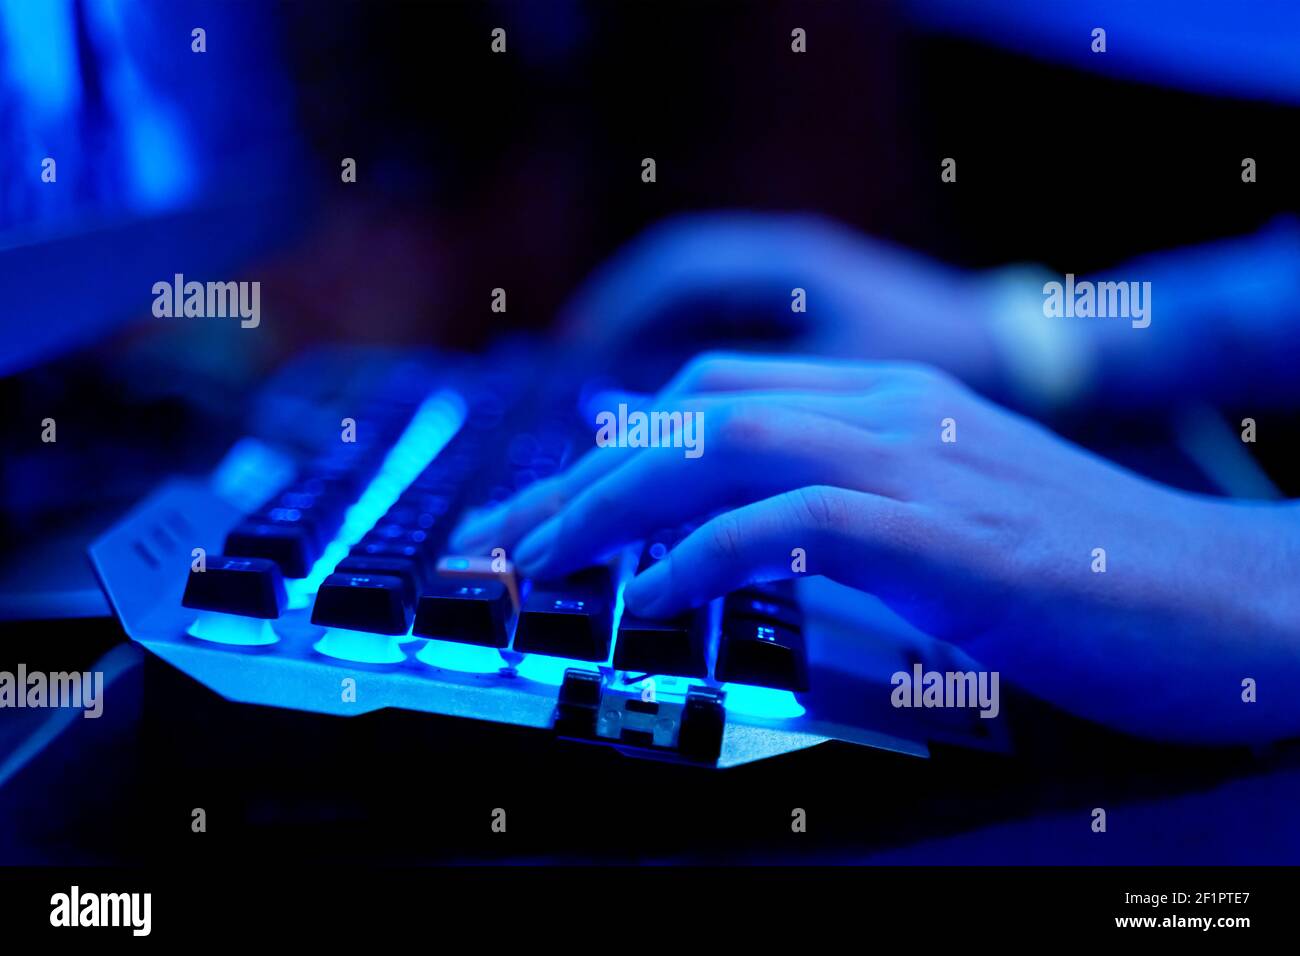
<point>468,610</point>
<point>411,574</point>
<point>758,651</point>
<point>773,602</point>
<point>674,646</point>
<point>290,546</point>
<point>380,548</point>
<point>570,618</point>
<point>252,587</point>
<point>325,512</point>
<point>294,518</point>
<point>362,602</point>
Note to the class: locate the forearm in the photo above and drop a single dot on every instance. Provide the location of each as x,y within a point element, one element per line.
<point>1225,325</point>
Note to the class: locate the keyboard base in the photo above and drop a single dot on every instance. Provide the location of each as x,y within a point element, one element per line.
<point>292,663</point>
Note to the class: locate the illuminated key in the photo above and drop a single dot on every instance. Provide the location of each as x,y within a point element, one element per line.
<point>362,602</point>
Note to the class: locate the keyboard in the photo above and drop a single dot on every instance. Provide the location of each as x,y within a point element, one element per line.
<point>310,570</point>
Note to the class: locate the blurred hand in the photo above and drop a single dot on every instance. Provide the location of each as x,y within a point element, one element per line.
<point>721,278</point>
<point>986,541</point>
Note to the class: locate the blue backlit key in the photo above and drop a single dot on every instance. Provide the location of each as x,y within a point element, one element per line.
<point>468,610</point>
<point>410,573</point>
<point>252,587</point>
<point>291,546</point>
<point>362,602</point>
<point>760,651</point>
<point>572,617</point>
<point>676,645</point>
<point>773,602</point>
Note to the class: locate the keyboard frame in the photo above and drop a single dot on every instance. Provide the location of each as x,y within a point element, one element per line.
<point>143,561</point>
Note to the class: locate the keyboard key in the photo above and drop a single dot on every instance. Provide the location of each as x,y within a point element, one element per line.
<point>468,610</point>
<point>675,646</point>
<point>477,566</point>
<point>362,602</point>
<point>759,651</point>
<point>252,587</point>
<point>414,553</point>
<point>290,546</point>
<point>409,571</point>
<point>570,618</point>
<point>293,518</point>
<point>773,602</point>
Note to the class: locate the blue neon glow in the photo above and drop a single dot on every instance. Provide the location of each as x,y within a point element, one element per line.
<point>232,629</point>
<point>465,658</point>
<point>361,647</point>
<point>549,670</point>
<point>762,702</point>
<point>434,424</point>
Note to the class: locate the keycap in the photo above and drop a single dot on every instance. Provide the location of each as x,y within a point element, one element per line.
<point>409,571</point>
<point>252,587</point>
<point>570,617</point>
<point>761,651</point>
<point>362,602</point>
<point>416,554</point>
<point>468,610</point>
<point>676,646</point>
<point>773,602</point>
<point>290,546</point>
<point>294,518</point>
<point>478,566</point>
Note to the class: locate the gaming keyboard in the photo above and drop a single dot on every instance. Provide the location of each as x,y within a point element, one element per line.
<point>311,571</point>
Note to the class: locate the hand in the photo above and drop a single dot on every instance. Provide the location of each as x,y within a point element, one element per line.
<point>717,278</point>
<point>987,541</point>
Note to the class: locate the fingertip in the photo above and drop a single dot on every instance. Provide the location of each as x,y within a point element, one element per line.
<point>649,593</point>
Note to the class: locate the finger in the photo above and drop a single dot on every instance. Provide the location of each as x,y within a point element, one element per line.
<point>746,429</point>
<point>745,256</point>
<point>843,533</point>
<point>756,452</point>
<point>733,372</point>
<point>503,525</point>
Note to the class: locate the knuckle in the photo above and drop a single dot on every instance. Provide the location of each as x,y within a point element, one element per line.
<point>819,507</point>
<point>726,537</point>
<point>742,427</point>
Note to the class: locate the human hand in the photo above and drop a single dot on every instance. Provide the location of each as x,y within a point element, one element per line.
<point>727,277</point>
<point>988,541</point>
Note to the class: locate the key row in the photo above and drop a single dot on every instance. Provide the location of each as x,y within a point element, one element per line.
<point>464,601</point>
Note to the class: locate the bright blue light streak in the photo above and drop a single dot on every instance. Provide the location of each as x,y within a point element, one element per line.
<point>762,702</point>
<point>232,629</point>
<point>434,424</point>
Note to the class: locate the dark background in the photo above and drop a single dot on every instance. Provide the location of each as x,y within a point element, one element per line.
<point>523,171</point>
